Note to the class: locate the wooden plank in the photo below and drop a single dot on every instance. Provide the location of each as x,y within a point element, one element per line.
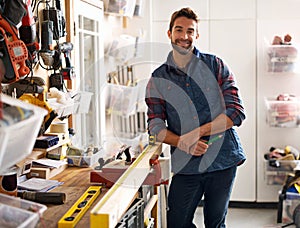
<point>116,201</point>
<point>150,205</point>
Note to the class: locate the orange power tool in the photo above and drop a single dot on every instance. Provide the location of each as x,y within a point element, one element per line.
<point>13,52</point>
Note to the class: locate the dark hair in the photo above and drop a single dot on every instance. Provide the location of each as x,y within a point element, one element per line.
<point>184,12</point>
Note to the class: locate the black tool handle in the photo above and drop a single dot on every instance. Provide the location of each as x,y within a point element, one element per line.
<point>44,197</point>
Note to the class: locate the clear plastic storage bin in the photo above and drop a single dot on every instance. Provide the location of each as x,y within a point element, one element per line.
<point>83,100</point>
<point>277,175</point>
<point>122,99</point>
<point>85,160</point>
<point>289,205</point>
<point>282,58</point>
<point>17,140</point>
<point>283,113</point>
<point>19,213</point>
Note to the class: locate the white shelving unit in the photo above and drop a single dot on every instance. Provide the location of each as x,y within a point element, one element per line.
<point>277,121</point>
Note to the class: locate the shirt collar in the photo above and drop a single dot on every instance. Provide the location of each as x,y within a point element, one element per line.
<point>171,65</point>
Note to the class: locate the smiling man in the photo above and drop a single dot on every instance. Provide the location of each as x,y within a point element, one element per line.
<point>193,104</point>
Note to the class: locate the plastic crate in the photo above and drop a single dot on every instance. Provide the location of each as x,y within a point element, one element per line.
<point>85,160</point>
<point>16,212</point>
<point>63,110</point>
<point>283,113</point>
<point>277,175</point>
<point>283,165</point>
<point>83,100</point>
<point>282,58</point>
<point>289,205</point>
<point>122,99</point>
<point>17,140</point>
<point>134,217</point>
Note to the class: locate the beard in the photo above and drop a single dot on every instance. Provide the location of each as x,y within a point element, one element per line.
<point>181,50</point>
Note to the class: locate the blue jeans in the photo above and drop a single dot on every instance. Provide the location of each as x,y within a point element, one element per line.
<point>186,191</point>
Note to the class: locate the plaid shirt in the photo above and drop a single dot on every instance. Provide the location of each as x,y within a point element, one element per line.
<point>184,99</point>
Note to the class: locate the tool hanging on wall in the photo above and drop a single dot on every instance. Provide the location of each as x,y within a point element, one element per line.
<point>13,51</point>
<point>28,33</point>
<point>66,72</point>
<point>52,29</point>
<point>75,213</point>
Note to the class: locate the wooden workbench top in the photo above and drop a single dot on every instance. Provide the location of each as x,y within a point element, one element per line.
<point>76,182</point>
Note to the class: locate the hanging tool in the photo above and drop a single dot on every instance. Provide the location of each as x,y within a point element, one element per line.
<point>28,33</point>
<point>65,73</point>
<point>68,71</point>
<point>47,53</point>
<point>53,28</point>
<point>13,52</point>
<point>75,213</point>
<point>55,15</point>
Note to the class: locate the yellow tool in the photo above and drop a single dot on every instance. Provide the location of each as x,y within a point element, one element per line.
<point>152,139</point>
<point>40,100</point>
<point>74,214</point>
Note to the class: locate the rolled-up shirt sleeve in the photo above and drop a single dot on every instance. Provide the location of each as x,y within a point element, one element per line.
<point>233,103</point>
<point>156,109</point>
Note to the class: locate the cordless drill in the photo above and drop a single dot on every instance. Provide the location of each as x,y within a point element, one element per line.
<point>68,72</point>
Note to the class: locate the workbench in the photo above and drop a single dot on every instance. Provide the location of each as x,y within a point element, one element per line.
<point>75,182</point>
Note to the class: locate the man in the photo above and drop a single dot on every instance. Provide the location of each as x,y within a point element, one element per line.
<point>193,103</point>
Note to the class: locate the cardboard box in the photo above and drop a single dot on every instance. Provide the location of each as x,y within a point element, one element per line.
<point>45,173</point>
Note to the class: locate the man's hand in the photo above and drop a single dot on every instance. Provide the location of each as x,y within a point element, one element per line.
<point>191,144</point>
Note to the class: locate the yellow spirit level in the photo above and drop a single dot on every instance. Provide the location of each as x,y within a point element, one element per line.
<point>74,214</point>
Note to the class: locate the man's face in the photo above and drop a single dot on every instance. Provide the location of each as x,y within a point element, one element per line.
<point>184,33</point>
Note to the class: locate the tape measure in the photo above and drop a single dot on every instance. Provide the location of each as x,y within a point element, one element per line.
<point>74,214</point>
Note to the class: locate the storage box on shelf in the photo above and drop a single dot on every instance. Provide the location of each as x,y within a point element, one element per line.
<point>289,205</point>
<point>121,8</point>
<point>16,212</point>
<point>282,58</point>
<point>276,175</point>
<point>85,160</point>
<point>83,100</point>
<point>78,102</point>
<point>13,147</point>
<point>122,99</point>
<point>63,110</point>
<point>283,113</point>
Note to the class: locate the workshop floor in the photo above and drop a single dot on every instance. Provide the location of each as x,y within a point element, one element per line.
<point>245,218</point>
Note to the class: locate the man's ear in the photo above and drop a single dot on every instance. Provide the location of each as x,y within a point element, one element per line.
<point>169,34</point>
